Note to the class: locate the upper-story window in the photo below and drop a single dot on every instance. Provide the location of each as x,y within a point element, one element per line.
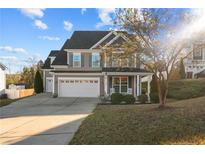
<point>95,59</point>
<point>197,53</point>
<point>76,59</point>
<point>119,61</point>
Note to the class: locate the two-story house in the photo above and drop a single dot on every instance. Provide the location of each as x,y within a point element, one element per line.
<point>195,62</point>
<point>82,69</point>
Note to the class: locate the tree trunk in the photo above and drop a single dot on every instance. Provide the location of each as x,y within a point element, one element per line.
<point>162,93</point>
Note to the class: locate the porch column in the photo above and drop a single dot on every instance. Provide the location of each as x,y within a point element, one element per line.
<point>53,90</point>
<point>105,85</point>
<point>148,90</point>
<point>138,85</point>
<point>134,86</point>
<point>105,60</point>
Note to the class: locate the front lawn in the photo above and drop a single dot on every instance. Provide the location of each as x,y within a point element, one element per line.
<point>185,89</point>
<point>182,123</point>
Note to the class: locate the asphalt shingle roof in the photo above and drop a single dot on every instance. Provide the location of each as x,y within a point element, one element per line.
<point>84,39</point>
<point>47,62</point>
<point>61,58</point>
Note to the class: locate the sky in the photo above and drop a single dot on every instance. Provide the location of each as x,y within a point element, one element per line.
<point>33,33</point>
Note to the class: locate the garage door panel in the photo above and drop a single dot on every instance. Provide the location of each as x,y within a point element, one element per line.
<point>79,87</point>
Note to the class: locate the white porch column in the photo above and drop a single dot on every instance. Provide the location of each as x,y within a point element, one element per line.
<point>105,85</point>
<point>138,85</point>
<point>148,90</point>
<point>134,86</point>
<point>105,60</point>
<point>53,84</point>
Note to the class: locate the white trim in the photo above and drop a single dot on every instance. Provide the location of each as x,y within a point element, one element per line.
<point>111,41</point>
<point>126,73</point>
<point>117,36</point>
<point>134,85</point>
<point>78,74</point>
<point>75,78</point>
<point>104,38</point>
<point>53,90</point>
<point>138,83</point>
<point>105,59</point>
<point>59,66</point>
<point>82,50</point>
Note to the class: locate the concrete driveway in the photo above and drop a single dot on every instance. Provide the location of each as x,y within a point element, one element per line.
<point>42,120</point>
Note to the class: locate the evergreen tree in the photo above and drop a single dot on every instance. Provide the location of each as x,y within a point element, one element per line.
<point>153,85</point>
<point>38,83</point>
<point>182,69</point>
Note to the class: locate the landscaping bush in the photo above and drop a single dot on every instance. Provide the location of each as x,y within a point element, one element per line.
<point>143,98</point>
<point>154,97</point>
<point>116,98</point>
<point>55,95</point>
<point>129,99</point>
<point>3,96</point>
<point>38,83</point>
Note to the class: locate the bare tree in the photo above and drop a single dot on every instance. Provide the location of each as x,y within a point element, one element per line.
<point>153,39</point>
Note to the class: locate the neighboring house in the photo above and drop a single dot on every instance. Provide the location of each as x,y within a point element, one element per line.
<point>195,62</point>
<point>2,78</point>
<point>82,69</point>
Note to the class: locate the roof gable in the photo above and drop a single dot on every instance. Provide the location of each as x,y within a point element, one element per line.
<point>2,66</point>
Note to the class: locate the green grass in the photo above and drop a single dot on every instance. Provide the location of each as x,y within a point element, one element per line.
<point>4,102</point>
<point>185,89</point>
<point>182,123</point>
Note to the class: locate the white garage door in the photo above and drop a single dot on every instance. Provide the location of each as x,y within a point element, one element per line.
<point>79,87</point>
<point>49,84</point>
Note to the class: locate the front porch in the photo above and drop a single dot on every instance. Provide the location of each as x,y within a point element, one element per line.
<point>126,83</point>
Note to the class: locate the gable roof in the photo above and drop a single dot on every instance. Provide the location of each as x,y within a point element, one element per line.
<point>61,58</point>
<point>47,63</point>
<point>84,39</point>
<point>53,53</point>
<point>2,66</point>
<point>81,40</point>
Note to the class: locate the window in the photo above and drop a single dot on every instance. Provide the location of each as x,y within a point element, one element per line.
<point>197,53</point>
<point>115,60</point>
<point>120,84</point>
<point>76,60</point>
<point>95,60</point>
<point>120,60</point>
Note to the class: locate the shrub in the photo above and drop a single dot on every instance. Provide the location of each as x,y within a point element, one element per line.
<point>3,96</point>
<point>116,98</point>
<point>143,98</point>
<point>38,83</point>
<point>154,97</point>
<point>129,99</point>
<point>55,95</point>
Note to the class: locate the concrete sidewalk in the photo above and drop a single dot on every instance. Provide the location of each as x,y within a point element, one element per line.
<point>42,120</point>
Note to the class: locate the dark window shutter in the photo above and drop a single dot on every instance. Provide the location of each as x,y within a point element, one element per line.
<point>82,59</point>
<point>71,59</point>
<point>90,59</point>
